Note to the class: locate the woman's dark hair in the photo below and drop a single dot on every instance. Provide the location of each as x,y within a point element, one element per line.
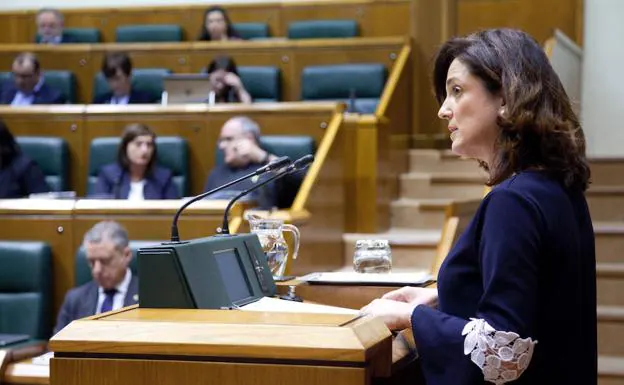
<point>227,64</point>
<point>539,129</point>
<point>222,63</point>
<point>229,28</point>
<point>131,132</point>
<point>9,148</point>
<point>116,60</point>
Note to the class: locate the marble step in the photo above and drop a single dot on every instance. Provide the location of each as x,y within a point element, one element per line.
<point>606,203</point>
<point>607,172</point>
<point>610,370</point>
<point>419,213</point>
<point>611,330</point>
<point>610,284</point>
<point>441,185</point>
<point>609,242</point>
<point>441,161</point>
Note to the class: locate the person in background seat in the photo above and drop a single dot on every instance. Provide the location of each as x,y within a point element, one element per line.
<point>20,176</point>
<point>217,26</point>
<point>227,86</point>
<point>117,69</point>
<point>113,285</point>
<point>28,84</point>
<point>135,175</point>
<point>50,23</point>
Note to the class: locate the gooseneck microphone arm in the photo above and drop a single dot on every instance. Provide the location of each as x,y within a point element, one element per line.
<point>297,165</point>
<point>277,164</point>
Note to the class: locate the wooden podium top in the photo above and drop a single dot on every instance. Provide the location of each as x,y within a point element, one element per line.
<point>234,334</point>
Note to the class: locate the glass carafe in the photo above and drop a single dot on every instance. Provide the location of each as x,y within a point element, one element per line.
<point>271,235</point>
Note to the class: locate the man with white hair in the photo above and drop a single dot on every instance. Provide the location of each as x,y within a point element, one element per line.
<point>113,285</point>
<point>50,24</point>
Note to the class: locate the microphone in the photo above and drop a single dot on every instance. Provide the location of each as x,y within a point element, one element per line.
<point>277,164</point>
<point>297,165</point>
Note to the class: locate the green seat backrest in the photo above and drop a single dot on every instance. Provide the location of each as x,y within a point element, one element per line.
<point>52,156</point>
<point>322,29</point>
<point>264,83</point>
<point>364,83</point>
<point>63,81</point>
<point>82,270</point>
<point>172,154</point>
<point>80,35</point>
<point>25,288</point>
<point>293,146</point>
<point>148,80</point>
<point>149,33</point>
<point>248,31</point>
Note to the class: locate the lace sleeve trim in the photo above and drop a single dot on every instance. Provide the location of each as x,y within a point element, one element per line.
<point>502,356</point>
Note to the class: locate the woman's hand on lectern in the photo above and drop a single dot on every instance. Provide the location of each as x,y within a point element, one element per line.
<point>414,296</point>
<point>396,315</point>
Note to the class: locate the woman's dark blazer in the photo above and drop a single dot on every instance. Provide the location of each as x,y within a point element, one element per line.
<point>114,180</point>
<point>21,178</point>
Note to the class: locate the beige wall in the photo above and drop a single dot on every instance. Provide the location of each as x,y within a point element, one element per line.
<point>602,96</point>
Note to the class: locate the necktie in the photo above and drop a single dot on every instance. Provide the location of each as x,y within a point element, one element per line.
<point>107,305</point>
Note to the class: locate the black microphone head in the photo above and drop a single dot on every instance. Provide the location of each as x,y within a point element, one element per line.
<point>277,164</point>
<point>303,162</point>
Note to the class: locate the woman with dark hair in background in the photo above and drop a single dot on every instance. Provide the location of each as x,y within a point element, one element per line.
<point>217,26</point>
<point>20,176</point>
<point>226,84</point>
<point>135,175</point>
<point>516,296</point>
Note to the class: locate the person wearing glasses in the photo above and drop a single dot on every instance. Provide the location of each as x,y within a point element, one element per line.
<point>239,143</point>
<point>27,85</point>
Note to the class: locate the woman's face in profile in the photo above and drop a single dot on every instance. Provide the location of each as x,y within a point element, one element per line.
<point>471,111</point>
<point>140,150</point>
<point>216,25</point>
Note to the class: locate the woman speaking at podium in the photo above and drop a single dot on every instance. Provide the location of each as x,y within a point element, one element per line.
<point>516,296</point>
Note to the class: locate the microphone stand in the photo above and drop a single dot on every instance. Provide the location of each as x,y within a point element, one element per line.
<point>175,236</point>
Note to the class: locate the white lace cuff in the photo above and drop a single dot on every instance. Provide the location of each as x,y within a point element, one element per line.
<point>502,356</point>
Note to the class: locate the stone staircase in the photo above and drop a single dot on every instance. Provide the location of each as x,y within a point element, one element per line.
<point>437,177</point>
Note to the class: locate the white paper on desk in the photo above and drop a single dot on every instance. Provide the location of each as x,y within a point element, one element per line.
<point>281,305</point>
<point>351,277</point>
<point>43,359</point>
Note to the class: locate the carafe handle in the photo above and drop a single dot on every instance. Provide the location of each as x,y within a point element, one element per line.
<point>293,229</point>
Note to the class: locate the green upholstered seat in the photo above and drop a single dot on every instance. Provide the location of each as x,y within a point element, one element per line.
<point>82,271</point>
<point>323,29</point>
<point>363,83</point>
<point>52,156</point>
<point>264,83</point>
<point>25,288</point>
<point>172,154</point>
<point>149,33</point>
<point>248,31</point>
<point>63,81</point>
<point>79,35</point>
<point>148,80</point>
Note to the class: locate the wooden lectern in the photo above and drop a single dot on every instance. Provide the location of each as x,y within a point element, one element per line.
<point>137,346</point>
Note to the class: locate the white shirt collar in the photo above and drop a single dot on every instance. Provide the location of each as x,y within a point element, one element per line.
<point>122,288</point>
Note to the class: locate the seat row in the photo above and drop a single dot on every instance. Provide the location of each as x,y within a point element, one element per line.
<point>146,33</point>
<point>359,85</point>
<point>52,156</point>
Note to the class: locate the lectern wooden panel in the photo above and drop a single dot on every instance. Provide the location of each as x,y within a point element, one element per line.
<point>137,346</point>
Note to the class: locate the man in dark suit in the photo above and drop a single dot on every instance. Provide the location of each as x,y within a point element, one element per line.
<point>50,24</point>
<point>117,69</point>
<point>113,285</point>
<point>28,85</point>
